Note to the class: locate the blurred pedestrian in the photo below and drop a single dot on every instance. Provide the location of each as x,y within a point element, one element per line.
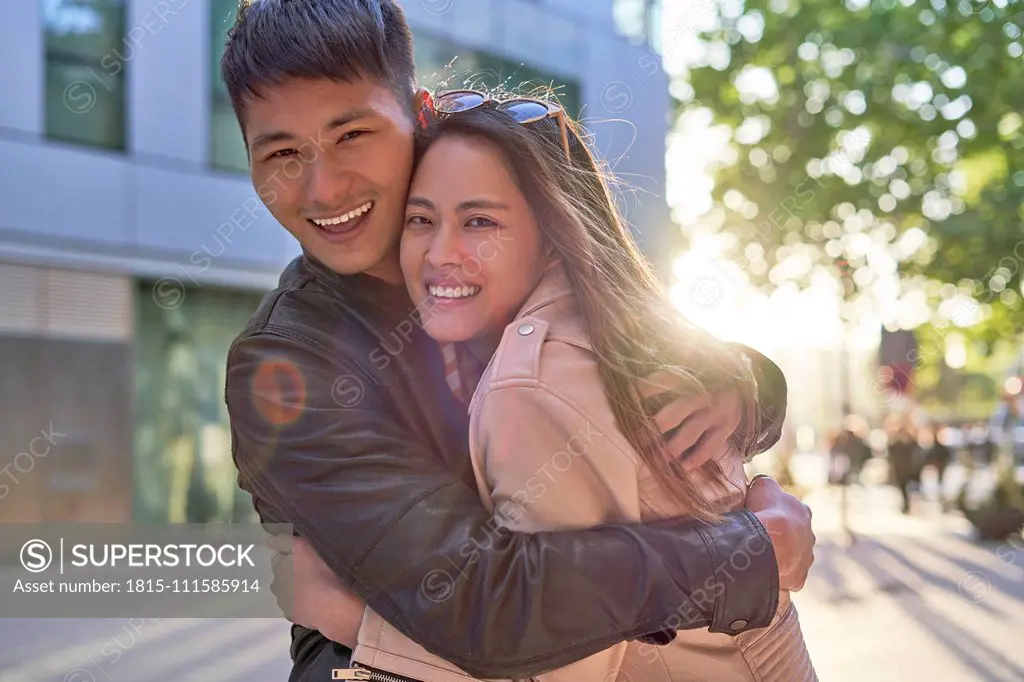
<point>981,446</point>
<point>938,455</point>
<point>849,451</point>
<point>839,460</point>
<point>858,448</point>
<point>903,456</point>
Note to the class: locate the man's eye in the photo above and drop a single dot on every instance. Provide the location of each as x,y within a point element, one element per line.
<point>281,153</point>
<point>351,135</point>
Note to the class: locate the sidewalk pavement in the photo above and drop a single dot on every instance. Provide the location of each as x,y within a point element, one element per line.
<point>912,598</point>
<point>144,650</point>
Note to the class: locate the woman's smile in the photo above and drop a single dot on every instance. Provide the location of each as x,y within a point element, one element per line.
<point>453,292</point>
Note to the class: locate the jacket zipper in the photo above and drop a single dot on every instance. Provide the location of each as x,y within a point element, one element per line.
<point>358,672</point>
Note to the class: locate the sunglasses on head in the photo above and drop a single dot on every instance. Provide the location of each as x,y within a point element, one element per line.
<point>522,109</point>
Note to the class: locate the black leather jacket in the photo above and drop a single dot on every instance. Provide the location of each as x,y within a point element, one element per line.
<point>342,424</point>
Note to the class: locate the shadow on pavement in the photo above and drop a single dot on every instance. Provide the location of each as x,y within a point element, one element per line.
<point>980,657</point>
<point>1013,589</point>
<point>825,579</point>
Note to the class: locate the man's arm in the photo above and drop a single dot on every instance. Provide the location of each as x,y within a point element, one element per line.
<point>772,398</point>
<point>415,543</point>
<point>699,428</point>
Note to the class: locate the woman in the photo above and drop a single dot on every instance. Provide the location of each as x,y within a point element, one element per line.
<point>516,256</point>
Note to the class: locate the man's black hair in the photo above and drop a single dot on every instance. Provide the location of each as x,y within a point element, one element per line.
<point>273,41</point>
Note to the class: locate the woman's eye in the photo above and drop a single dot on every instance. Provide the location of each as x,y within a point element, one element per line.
<point>417,220</point>
<point>282,153</point>
<point>481,221</point>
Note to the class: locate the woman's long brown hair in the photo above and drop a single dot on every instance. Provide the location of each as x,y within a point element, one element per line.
<point>633,327</point>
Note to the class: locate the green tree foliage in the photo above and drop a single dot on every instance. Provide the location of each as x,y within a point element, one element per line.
<point>873,137</point>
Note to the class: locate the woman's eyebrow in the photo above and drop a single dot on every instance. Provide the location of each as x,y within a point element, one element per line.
<point>474,204</point>
<point>422,202</point>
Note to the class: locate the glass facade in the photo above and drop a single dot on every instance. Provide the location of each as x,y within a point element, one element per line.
<point>86,57</point>
<point>183,466</point>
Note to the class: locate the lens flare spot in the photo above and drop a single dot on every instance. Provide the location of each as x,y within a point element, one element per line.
<point>279,392</point>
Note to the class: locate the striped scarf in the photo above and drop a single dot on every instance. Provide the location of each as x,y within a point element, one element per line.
<point>462,370</point>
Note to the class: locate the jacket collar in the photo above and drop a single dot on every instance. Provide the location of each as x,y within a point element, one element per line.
<point>554,301</point>
<point>357,290</point>
<point>554,286</point>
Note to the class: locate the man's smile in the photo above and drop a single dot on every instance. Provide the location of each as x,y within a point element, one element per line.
<point>343,217</point>
<point>343,225</point>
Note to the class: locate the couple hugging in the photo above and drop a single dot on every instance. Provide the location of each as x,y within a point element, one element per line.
<point>542,476</point>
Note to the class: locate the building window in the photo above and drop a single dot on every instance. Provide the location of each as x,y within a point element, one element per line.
<point>86,57</point>
<point>227,148</point>
<point>639,20</point>
<point>443,65</point>
<point>630,18</point>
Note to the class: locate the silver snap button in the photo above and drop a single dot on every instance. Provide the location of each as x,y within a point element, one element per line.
<point>738,624</point>
<point>526,329</point>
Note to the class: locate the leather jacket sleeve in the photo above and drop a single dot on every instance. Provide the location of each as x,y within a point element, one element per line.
<point>415,543</point>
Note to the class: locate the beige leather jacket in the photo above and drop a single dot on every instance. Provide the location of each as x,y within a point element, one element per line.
<point>548,456</point>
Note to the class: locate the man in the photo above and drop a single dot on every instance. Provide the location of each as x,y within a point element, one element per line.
<point>343,424</point>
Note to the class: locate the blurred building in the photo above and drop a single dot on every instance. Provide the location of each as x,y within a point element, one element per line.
<point>129,251</point>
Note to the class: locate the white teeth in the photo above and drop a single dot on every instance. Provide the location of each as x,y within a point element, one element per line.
<point>452,292</point>
<point>345,217</point>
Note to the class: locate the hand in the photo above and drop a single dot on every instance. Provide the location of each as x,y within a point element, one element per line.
<point>788,522</point>
<point>697,428</point>
<point>311,595</point>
